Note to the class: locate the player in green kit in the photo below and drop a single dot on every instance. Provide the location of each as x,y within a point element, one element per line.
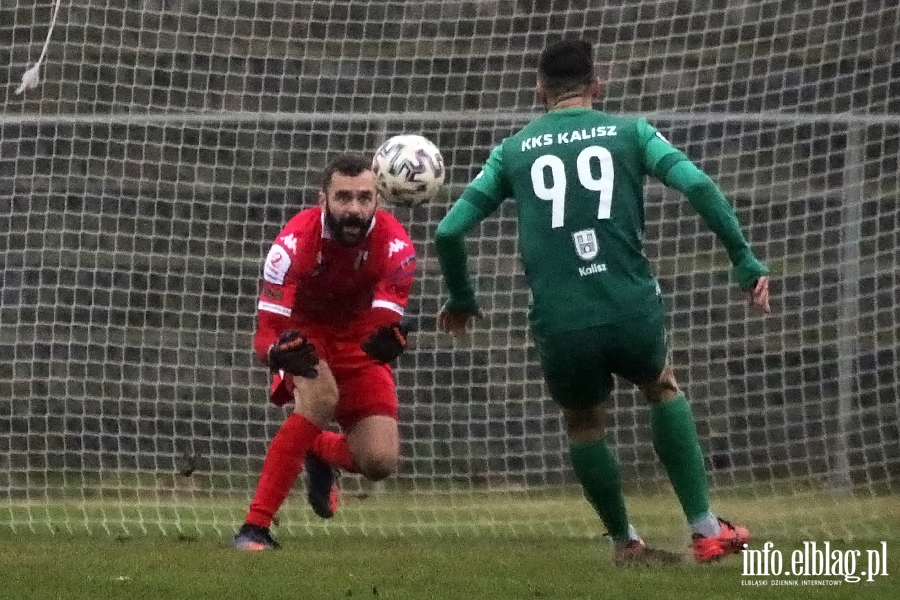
<point>577,177</point>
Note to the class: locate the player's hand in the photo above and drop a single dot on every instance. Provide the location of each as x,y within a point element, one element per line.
<point>456,322</point>
<point>293,353</point>
<point>759,295</point>
<point>387,343</point>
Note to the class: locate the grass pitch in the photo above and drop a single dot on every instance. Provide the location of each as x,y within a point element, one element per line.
<point>337,560</point>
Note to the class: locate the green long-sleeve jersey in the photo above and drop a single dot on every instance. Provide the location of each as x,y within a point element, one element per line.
<point>577,176</point>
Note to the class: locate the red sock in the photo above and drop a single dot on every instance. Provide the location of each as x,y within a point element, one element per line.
<point>332,448</point>
<point>281,468</point>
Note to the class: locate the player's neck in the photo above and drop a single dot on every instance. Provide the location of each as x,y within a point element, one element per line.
<point>571,102</point>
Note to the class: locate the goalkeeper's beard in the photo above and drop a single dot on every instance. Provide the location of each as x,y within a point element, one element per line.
<point>350,230</point>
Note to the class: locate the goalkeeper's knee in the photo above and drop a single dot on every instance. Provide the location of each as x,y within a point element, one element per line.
<point>377,466</point>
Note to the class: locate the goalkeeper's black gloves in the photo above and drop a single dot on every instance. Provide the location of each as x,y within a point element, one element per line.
<point>387,343</point>
<point>295,354</point>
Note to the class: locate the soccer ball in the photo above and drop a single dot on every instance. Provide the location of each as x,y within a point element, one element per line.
<point>409,170</point>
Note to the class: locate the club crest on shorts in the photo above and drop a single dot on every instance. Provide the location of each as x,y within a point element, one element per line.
<point>586,243</point>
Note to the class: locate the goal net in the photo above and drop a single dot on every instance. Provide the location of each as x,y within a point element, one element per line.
<point>143,180</point>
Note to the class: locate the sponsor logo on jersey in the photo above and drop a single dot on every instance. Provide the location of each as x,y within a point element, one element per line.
<point>269,292</point>
<point>395,246</point>
<point>586,244</point>
<point>592,269</point>
<point>277,264</point>
<point>271,307</point>
<point>290,242</point>
<point>404,272</point>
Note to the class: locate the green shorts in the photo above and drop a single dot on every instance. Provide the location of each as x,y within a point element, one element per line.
<point>579,365</point>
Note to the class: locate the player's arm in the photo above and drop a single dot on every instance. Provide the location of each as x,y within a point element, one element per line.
<point>676,170</point>
<point>388,337</point>
<point>278,343</point>
<point>480,198</point>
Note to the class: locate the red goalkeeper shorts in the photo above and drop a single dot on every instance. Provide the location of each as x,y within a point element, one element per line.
<point>365,389</point>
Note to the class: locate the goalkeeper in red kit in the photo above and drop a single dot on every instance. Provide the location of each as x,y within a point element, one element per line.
<point>335,285</point>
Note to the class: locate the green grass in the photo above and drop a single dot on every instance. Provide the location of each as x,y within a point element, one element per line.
<point>525,546</point>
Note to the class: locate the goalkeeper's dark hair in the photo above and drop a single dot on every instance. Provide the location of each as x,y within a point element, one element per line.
<point>566,67</point>
<point>350,165</point>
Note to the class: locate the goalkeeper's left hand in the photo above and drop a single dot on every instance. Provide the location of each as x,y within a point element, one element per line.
<point>387,343</point>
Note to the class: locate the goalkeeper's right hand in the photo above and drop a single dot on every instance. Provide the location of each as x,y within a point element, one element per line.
<point>294,354</point>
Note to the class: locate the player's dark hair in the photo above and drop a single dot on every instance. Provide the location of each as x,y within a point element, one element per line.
<point>566,67</point>
<point>350,165</point>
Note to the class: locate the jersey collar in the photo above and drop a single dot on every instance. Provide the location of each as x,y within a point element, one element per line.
<point>569,110</point>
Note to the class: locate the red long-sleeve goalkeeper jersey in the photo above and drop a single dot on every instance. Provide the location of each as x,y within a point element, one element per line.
<point>312,281</point>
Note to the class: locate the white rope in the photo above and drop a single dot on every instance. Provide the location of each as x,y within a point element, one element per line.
<point>32,77</point>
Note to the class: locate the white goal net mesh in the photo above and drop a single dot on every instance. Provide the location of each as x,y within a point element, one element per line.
<point>142,182</point>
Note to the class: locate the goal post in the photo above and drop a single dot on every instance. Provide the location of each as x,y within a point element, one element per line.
<point>142,181</point>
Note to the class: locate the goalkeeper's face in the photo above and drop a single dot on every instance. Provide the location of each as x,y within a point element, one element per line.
<point>349,203</point>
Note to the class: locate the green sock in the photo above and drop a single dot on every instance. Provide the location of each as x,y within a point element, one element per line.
<point>598,471</point>
<point>676,443</point>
